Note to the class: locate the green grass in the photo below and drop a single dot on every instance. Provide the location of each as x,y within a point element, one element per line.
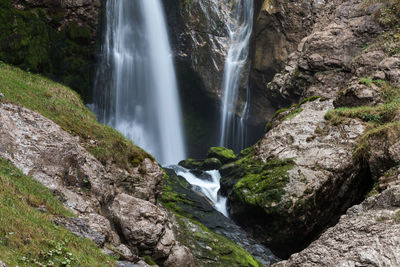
<point>28,237</point>
<point>64,106</point>
<point>375,115</point>
<point>380,119</point>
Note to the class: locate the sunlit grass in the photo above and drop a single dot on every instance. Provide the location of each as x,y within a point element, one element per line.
<point>28,237</point>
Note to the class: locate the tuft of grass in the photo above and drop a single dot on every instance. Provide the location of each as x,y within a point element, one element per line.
<point>380,119</point>
<point>28,237</point>
<point>396,216</point>
<point>366,81</point>
<point>388,14</point>
<point>64,106</point>
<point>293,114</point>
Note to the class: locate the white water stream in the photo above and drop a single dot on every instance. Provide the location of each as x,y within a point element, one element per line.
<point>136,89</point>
<point>208,188</point>
<point>240,26</point>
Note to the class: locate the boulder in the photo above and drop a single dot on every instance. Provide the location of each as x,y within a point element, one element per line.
<point>221,153</point>
<point>285,186</point>
<point>204,165</point>
<point>367,235</point>
<point>105,212</point>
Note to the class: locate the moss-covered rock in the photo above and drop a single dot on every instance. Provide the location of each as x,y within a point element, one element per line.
<point>211,249</point>
<point>35,40</point>
<point>223,154</point>
<point>196,164</point>
<point>281,190</point>
<point>263,184</point>
<point>192,212</point>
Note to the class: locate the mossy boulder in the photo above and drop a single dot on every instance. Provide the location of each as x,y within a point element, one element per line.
<point>196,218</point>
<point>263,184</point>
<point>282,190</point>
<point>223,154</point>
<point>205,165</point>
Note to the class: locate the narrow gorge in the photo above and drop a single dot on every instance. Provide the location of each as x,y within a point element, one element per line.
<point>199,133</point>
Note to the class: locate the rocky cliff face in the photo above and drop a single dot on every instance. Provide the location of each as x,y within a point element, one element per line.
<point>280,26</point>
<point>286,183</point>
<point>338,53</point>
<point>200,42</point>
<point>84,13</point>
<point>126,218</point>
<point>314,163</point>
<point>206,41</point>
<point>368,234</point>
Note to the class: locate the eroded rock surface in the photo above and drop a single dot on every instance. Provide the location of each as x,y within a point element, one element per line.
<point>280,26</point>
<point>331,61</point>
<point>305,162</point>
<point>367,235</point>
<point>106,214</point>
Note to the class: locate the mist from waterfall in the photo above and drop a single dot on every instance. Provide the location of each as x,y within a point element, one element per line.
<point>240,26</point>
<point>135,88</point>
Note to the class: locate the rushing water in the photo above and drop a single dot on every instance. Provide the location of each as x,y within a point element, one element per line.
<point>208,187</point>
<point>207,184</point>
<point>135,89</point>
<point>240,26</point>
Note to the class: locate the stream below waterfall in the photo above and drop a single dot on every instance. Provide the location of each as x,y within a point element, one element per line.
<point>136,92</point>
<point>213,212</point>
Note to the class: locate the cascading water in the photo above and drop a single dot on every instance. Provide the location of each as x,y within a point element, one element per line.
<point>135,89</point>
<point>240,26</point>
<point>208,187</point>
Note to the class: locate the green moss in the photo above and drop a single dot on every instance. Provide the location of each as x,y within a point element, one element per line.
<point>172,196</point>
<point>211,249</point>
<point>78,33</point>
<point>263,183</point>
<point>366,81</point>
<point>293,114</point>
<point>31,40</point>
<point>245,152</point>
<point>279,111</point>
<point>378,119</point>
<point>29,237</point>
<point>223,154</point>
<point>207,164</point>
<point>149,260</point>
<point>294,110</point>
<point>63,106</point>
<point>376,115</point>
<point>192,163</point>
<point>309,99</point>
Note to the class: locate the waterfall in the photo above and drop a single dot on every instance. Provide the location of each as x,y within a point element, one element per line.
<point>135,88</point>
<point>208,188</point>
<point>240,26</point>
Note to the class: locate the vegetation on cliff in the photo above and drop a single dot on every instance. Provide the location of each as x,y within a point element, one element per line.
<point>34,40</point>
<point>209,248</point>
<point>28,235</point>
<point>64,106</point>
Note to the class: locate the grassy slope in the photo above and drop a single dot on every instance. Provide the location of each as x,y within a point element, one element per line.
<point>64,107</point>
<point>20,194</point>
<point>29,237</point>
